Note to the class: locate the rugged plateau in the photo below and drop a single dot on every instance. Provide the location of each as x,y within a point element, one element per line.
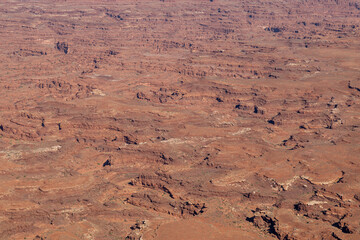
<point>148,119</point>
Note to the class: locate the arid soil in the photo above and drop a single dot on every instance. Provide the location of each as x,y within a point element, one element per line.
<point>149,119</point>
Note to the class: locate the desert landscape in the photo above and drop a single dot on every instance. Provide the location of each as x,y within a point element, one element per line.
<point>179,119</point>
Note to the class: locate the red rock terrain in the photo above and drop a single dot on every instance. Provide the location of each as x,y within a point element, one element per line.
<point>154,119</point>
